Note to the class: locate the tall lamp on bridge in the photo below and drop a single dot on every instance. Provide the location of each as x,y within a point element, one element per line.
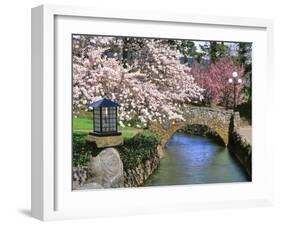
<point>235,81</point>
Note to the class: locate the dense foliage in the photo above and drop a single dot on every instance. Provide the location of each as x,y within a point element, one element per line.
<point>81,150</point>
<point>245,58</point>
<point>139,149</point>
<point>135,150</point>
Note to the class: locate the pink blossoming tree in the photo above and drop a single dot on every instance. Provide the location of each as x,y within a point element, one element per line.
<point>214,79</point>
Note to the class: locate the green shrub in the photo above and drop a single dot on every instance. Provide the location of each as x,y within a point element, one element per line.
<point>138,149</point>
<point>134,151</point>
<point>82,150</point>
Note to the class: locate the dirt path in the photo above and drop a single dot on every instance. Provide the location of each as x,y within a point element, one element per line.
<point>246,132</point>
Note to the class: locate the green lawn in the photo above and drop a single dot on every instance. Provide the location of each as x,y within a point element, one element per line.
<point>84,124</point>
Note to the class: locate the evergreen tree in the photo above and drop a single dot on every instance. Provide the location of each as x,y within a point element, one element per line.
<point>244,59</point>
<point>214,50</point>
<point>187,48</point>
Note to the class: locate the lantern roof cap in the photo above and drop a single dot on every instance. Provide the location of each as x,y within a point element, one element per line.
<point>104,102</point>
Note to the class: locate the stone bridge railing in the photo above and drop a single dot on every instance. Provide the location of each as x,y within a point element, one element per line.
<point>219,120</point>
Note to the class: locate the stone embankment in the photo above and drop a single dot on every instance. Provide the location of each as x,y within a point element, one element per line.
<point>240,146</point>
<point>137,176</point>
<point>106,171</point>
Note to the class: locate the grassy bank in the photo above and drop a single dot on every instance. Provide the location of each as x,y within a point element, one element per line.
<point>84,124</point>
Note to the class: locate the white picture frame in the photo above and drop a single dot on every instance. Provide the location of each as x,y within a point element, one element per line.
<point>52,198</point>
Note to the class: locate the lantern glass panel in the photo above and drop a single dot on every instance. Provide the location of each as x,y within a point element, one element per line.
<point>97,127</point>
<point>108,119</point>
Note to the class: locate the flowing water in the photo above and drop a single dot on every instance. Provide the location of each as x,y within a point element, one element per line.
<point>193,159</point>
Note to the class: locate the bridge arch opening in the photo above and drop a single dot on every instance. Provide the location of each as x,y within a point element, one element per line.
<point>202,130</point>
<point>217,133</point>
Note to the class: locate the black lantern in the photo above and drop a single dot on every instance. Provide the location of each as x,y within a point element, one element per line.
<point>105,118</point>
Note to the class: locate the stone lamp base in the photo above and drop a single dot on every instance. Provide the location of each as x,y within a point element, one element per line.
<point>105,141</point>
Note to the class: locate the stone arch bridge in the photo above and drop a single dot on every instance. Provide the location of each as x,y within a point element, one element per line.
<point>219,120</point>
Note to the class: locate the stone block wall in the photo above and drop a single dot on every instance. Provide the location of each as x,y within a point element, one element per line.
<point>239,146</point>
<point>242,150</point>
<point>137,176</point>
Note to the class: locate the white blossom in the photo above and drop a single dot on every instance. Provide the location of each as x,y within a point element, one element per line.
<point>151,87</point>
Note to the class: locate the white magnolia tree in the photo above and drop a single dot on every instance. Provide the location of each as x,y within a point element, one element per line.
<point>151,84</point>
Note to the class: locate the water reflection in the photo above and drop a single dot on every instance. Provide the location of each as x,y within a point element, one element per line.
<point>194,160</point>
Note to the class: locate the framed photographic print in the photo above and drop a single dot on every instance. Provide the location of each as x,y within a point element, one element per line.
<point>134,112</point>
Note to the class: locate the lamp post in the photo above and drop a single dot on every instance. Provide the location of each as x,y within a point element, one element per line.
<point>235,81</point>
